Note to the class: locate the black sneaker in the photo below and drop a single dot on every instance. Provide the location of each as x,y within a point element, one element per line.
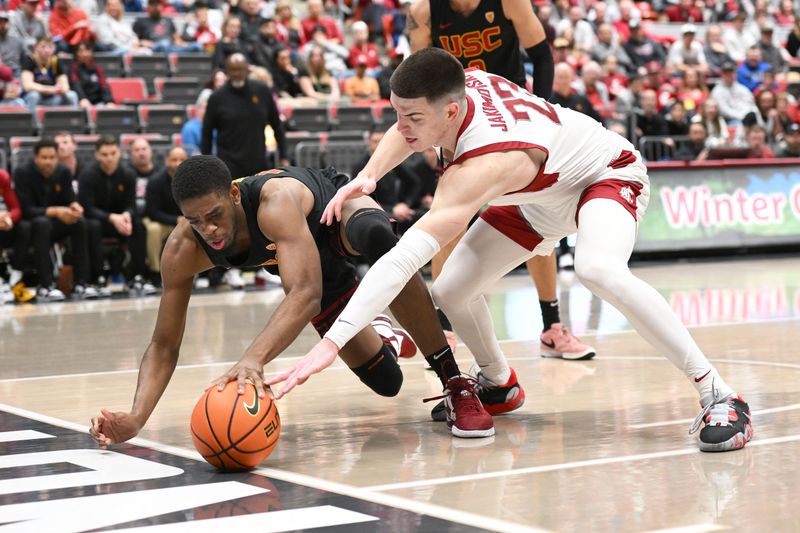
<point>727,424</point>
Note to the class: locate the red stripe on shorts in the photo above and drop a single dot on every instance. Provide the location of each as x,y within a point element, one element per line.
<point>508,220</point>
<point>623,192</point>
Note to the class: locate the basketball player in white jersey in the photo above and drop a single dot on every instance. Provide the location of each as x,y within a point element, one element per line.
<point>546,172</point>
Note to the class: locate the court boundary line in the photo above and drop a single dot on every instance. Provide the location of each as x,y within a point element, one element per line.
<point>360,493</point>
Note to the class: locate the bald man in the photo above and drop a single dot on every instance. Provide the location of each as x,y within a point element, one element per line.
<point>239,111</point>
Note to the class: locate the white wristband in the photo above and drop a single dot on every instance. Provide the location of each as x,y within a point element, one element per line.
<point>383,283</point>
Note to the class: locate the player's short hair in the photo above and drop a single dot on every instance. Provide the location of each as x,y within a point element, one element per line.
<point>430,73</point>
<point>200,175</point>
<point>106,140</point>
<point>45,142</point>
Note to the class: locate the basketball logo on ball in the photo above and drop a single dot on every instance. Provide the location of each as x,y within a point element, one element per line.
<point>233,431</point>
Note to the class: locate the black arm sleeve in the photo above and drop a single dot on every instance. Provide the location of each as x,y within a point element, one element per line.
<point>542,59</point>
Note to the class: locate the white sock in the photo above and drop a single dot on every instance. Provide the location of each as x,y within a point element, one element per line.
<point>14,276</point>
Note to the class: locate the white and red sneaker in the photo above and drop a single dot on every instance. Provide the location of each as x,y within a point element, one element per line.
<point>397,338</point>
<point>559,342</point>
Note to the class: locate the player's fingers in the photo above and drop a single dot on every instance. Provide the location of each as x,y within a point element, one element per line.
<point>280,377</point>
<point>241,379</point>
<point>258,383</point>
<point>108,415</point>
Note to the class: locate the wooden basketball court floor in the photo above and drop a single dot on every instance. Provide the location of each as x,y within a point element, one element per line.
<point>601,445</point>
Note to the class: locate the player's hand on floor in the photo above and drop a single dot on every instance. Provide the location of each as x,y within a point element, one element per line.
<point>319,358</point>
<point>361,186</point>
<point>242,372</point>
<point>113,428</point>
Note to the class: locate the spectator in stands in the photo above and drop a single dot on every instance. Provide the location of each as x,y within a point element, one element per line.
<point>606,46</point>
<point>650,123</point>
<point>15,233</point>
<point>26,24</point>
<point>266,45</point>
<point>215,81</point>
<point>734,99</point>
<point>714,50</point>
<point>231,42</point>
<point>716,127</point>
<point>335,54</point>
<point>288,28</point>
<point>696,149</point>
<point>684,11</point>
<point>48,200</point>
<point>88,79</point>
<point>239,112</point>
<point>771,54</point>
<point>67,153</point>
<point>793,39</point>
<point>362,46</point>
<point>197,29</point>
<point>12,48</point>
<point>565,96</point>
<point>687,52</point>
<point>361,87</point>
<point>287,78</point>
<point>785,15</point>
<point>250,16</point>
<point>577,30</point>
<point>114,34</point>
<point>739,37</point>
<point>692,90</point>
<point>641,49</point>
<point>141,159</point>
<point>158,33</point>
<point>44,78</point>
<point>757,142</point>
<point>751,72</point>
<point>324,86</point>
<point>162,212</point>
<point>615,80</point>
<point>9,88</point>
<point>108,194</point>
<point>790,147</point>
<point>595,91</point>
<point>69,25</point>
<point>315,18</point>
<point>677,120</point>
<point>192,131</point>
<point>764,115</point>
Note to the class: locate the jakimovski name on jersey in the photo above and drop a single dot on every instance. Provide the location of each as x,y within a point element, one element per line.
<point>487,105</point>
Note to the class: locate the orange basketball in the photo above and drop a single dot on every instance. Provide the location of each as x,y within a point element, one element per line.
<point>233,431</point>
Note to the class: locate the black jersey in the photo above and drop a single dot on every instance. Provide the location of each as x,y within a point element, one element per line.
<point>338,276</point>
<point>485,39</point>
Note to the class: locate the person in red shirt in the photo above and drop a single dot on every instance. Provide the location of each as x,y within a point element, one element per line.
<point>757,141</point>
<point>69,25</point>
<point>15,233</point>
<point>315,19</point>
<point>685,11</point>
<point>362,46</point>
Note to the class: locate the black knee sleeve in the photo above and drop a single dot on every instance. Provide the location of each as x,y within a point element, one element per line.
<point>370,233</point>
<point>382,374</point>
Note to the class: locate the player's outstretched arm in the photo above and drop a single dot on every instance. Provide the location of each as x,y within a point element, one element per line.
<point>391,151</point>
<point>180,261</point>
<point>281,218</point>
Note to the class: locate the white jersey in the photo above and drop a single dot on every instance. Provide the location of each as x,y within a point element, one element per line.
<point>502,116</point>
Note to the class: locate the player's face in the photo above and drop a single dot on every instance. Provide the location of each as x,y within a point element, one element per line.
<point>421,123</point>
<point>213,217</point>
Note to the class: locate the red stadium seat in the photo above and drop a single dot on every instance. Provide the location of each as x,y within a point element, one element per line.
<point>129,90</point>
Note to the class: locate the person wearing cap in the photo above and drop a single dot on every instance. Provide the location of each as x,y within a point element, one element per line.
<point>360,86</point>
<point>734,99</point>
<point>751,72</point>
<point>115,34</point>
<point>69,25</point>
<point>771,54</point>
<point>687,52</point>
<point>267,44</point>
<point>642,49</point>
<point>11,48</point>
<point>26,24</point>
<point>683,11</point>
<point>790,147</point>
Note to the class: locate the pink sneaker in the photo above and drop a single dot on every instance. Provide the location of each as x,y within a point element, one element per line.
<point>559,342</point>
<point>397,338</point>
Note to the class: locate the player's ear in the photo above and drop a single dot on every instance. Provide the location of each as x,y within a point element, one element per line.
<point>452,110</point>
<point>236,194</point>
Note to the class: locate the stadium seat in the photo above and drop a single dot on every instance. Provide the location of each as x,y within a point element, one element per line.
<point>114,121</point>
<point>164,119</point>
<point>147,67</point>
<point>129,91</point>
<point>111,63</point>
<point>197,66</point>
<point>309,119</point>
<point>182,91</point>
<point>16,121</point>
<point>61,118</point>
<point>353,118</point>
<point>341,154</point>
<point>386,117</point>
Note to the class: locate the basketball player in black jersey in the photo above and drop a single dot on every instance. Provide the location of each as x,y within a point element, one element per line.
<point>273,220</point>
